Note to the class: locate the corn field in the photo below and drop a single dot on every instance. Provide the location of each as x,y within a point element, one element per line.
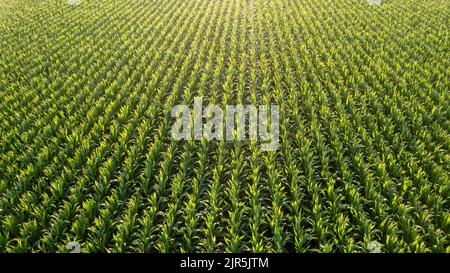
<point>86,154</point>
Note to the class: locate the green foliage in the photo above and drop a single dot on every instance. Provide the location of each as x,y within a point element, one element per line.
<point>86,152</point>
